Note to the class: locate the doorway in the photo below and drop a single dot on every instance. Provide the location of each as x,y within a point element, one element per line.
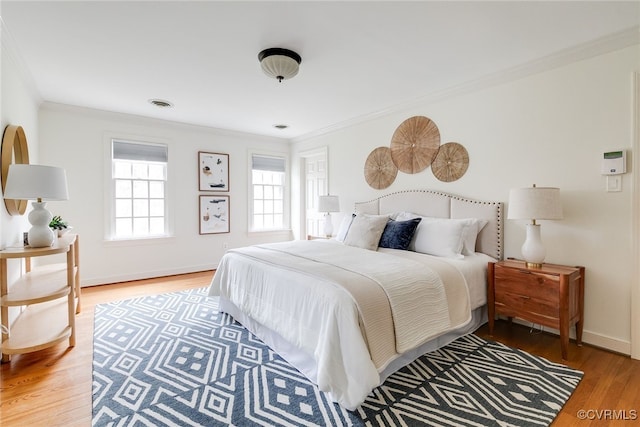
<point>316,184</point>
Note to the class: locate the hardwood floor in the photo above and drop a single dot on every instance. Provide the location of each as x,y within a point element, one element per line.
<point>53,387</point>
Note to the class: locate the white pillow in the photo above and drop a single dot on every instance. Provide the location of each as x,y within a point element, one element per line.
<point>397,215</point>
<point>365,231</point>
<point>470,235</point>
<point>440,237</point>
<point>405,216</point>
<point>471,227</point>
<point>344,227</point>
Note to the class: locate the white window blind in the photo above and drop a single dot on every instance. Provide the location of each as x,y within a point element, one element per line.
<point>266,163</point>
<point>134,151</point>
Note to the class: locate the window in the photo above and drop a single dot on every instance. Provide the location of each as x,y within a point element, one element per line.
<point>139,175</point>
<point>268,190</point>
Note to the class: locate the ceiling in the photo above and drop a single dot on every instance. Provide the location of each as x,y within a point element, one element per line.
<point>359,59</point>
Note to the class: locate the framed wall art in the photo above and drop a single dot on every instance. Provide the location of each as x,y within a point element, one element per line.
<point>214,214</point>
<point>213,172</point>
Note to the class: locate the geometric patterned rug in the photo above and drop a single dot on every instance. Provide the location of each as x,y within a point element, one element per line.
<point>173,360</point>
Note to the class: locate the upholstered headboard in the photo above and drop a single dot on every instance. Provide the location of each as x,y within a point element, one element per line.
<point>442,205</point>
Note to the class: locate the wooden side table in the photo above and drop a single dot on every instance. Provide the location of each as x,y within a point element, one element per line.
<point>50,294</point>
<point>552,295</point>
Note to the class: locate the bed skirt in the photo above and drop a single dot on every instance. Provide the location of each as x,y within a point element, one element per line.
<point>306,364</point>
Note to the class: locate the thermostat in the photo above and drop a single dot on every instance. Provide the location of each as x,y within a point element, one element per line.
<point>614,162</point>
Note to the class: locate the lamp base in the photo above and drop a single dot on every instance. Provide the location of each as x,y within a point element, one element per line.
<point>328,225</point>
<point>40,235</point>
<point>533,250</point>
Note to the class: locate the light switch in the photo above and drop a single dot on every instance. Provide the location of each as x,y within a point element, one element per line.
<point>614,183</point>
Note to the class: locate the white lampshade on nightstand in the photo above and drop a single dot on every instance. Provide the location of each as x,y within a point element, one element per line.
<point>533,204</point>
<point>37,182</point>
<point>328,204</point>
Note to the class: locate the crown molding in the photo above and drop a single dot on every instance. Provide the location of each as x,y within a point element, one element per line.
<point>154,122</point>
<point>610,43</point>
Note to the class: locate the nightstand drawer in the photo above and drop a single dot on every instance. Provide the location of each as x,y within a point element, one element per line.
<point>519,304</point>
<point>524,291</point>
<point>538,286</point>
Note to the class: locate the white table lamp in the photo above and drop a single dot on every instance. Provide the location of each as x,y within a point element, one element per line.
<point>29,182</point>
<point>533,204</point>
<point>328,204</point>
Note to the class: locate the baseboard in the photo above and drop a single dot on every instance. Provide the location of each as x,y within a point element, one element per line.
<point>105,280</point>
<point>608,343</point>
<point>615,345</point>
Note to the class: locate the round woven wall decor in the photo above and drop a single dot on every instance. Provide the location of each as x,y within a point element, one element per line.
<point>415,144</point>
<point>14,150</point>
<point>451,162</point>
<point>379,170</point>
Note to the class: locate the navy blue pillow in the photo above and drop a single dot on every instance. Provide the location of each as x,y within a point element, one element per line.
<point>398,234</point>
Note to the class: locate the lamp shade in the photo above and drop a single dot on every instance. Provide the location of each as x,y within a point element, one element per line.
<point>328,204</point>
<point>29,182</point>
<point>535,203</point>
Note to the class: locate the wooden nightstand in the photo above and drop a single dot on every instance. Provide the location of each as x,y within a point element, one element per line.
<point>552,295</point>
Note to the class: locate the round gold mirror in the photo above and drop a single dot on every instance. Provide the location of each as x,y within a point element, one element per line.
<point>14,150</point>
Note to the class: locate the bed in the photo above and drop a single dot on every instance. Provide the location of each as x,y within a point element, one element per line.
<point>348,313</point>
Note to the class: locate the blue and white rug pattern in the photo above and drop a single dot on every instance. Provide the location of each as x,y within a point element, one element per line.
<point>173,360</point>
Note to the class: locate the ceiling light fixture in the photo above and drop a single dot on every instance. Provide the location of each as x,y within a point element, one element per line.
<point>279,63</point>
<point>161,103</point>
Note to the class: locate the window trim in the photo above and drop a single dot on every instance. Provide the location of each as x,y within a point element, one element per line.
<point>286,221</point>
<point>109,187</point>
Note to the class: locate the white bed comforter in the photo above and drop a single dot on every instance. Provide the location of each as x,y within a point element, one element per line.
<point>294,289</point>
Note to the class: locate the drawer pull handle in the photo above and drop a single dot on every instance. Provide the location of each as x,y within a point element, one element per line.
<point>524,297</point>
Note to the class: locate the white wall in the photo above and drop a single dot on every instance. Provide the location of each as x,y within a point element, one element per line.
<point>549,129</point>
<point>18,106</point>
<point>77,139</point>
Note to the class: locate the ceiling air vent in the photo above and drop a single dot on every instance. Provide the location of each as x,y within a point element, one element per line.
<point>161,103</point>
